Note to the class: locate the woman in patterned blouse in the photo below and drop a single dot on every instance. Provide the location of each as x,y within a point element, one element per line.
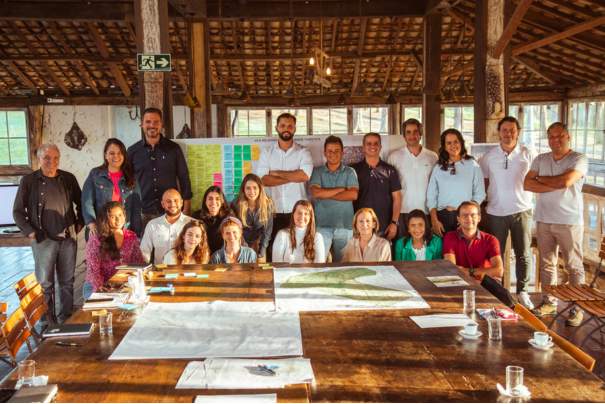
<point>111,246</point>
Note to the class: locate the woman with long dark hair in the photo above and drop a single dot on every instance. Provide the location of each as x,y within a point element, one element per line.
<point>456,178</point>
<point>110,246</point>
<point>114,180</point>
<point>255,211</point>
<point>419,244</point>
<point>214,210</point>
<point>191,247</point>
<point>299,243</point>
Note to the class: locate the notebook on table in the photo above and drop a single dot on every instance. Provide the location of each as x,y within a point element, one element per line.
<point>68,330</point>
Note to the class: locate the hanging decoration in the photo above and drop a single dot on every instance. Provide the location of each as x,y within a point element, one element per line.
<point>75,138</point>
<point>185,133</point>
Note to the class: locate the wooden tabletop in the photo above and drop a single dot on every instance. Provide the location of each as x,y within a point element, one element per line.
<point>357,356</point>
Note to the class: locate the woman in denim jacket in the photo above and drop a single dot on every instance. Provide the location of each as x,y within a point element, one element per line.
<point>112,181</point>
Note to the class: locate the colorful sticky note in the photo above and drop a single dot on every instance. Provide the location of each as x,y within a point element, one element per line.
<point>208,148</point>
<point>237,157</point>
<point>237,149</point>
<point>208,184</point>
<point>227,148</point>
<point>203,276</point>
<point>228,157</point>
<point>229,189</point>
<point>220,269</point>
<point>247,156</point>
<point>218,184</point>
<point>228,164</point>
<point>218,177</point>
<point>229,197</point>
<point>199,148</point>
<point>217,148</point>
<point>247,165</point>
<point>128,307</point>
<point>171,276</point>
<point>228,173</point>
<point>237,164</point>
<point>237,173</point>
<point>246,171</point>
<point>247,148</point>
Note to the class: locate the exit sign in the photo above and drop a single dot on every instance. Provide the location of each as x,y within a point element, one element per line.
<point>153,63</point>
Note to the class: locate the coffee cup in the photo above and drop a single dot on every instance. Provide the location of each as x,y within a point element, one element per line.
<point>542,338</point>
<point>470,328</point>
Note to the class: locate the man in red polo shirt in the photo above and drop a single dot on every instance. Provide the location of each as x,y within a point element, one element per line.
<point>473,251</point>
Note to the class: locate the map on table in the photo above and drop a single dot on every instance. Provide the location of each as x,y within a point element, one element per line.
<point>211,329</point>
<point>344,288</point>
<point>447,281</point>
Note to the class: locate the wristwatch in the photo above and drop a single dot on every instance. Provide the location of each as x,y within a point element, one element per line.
<point>536,177</point>
<point>471,272</point>
<point>395,223</point>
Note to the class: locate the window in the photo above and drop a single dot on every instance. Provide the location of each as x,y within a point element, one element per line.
<point>301,119</point>
<point>412,112</point>
<point>329,121</point>
<point>461,118</point>
<point>536,120</point>
<point>248,122</point>
<point>14,149</point>
<point>586,124</point>
<point>371,119</point>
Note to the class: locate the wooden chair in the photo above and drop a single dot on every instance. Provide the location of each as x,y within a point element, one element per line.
<point>530,318</point>
<point>3,348</point>
<point>15,333</point>
<point>25,285</point>
<point>495,288</point>
<point>585,360</point>
<point>34,307</point>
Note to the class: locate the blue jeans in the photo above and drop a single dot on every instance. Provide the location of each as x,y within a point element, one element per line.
<point>87,290</point>
<point>338,237</point>
<point>59,256</point>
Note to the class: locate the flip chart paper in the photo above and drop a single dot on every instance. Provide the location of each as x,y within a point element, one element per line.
<point>441,320</point>
<point>238,398</point>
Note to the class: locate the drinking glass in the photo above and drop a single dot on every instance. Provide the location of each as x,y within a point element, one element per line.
<point>469,300</point>
<point>495,327</point>
<point>27,373</point>
<point>514,379</point>
<point>105,324</point>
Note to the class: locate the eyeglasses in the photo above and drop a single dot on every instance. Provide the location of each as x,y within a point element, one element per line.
<point>50,158</point>
<point>473,215</point>
<point>453,169</point>
<point>505,165</point>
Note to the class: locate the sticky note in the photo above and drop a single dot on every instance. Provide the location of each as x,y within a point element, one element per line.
<point>217,148</point>
<point>237,173</point>
<point>228,172</point>
<point>203,276</point>
<point>247,165</point>
<point>199,148</point>
<point>171,276</point>
<point>189,274</point>
<point>228,156</point>
<point>228,164</point>
<point>128,307</point>
<point>237,149</point>
<point>247,171</point>
<point>208,148</point>
<point>227,148</point>
<point>237,164</point>
<point>161,266</point>
<point>221,269</point>
<point>229,197</point>
<point>161,289</point>
<point>218,184</point>
<point>267,267</point>
<point>218,177</point>
<point>228,189</point>
<point>247,156</point>
<point>247,148</point>
<point>237,182</point>
<point>237,157</point>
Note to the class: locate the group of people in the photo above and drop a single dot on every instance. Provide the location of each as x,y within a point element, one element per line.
<point>418,205</point>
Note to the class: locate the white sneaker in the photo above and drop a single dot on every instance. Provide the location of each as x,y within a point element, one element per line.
<point>525,300</point>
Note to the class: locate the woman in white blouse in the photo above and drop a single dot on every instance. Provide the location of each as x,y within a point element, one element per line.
<point>191,247</point>
<point>366,246</point>
<point>299,243</point>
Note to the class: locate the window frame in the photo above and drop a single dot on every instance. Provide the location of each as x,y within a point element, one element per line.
<point>521,114</point>
<point>20,169</point>
<point>595,166</point>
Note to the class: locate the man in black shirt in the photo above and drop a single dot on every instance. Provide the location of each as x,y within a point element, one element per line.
<point>157,163</point>
<point>44,211</point>
<point>379,187</point>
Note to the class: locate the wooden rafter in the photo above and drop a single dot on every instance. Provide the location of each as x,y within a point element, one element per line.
<point>23,76</point>
<point>115,70</point>
<point>392,58</point>
<point>511,27</point>
<point>535,68</point>
<point>362,35</point>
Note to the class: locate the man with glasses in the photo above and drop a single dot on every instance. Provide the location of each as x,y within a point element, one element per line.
<point>557,177</point>
<point>473,251</point>
<point>509,206</point>
<point>44,211</point>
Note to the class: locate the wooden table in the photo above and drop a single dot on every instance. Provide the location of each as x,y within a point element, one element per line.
<point>373,355</point>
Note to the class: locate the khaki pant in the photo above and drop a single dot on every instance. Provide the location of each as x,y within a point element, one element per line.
<point>568,238</point>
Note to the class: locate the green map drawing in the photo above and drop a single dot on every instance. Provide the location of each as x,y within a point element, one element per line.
<point>342,282</point>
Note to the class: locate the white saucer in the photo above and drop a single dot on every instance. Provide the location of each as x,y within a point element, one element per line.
<point>479,333</point>
<point>536,345</point>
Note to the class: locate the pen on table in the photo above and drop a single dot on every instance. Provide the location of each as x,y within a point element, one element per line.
<point>68,344</point>
<point>266,369</point>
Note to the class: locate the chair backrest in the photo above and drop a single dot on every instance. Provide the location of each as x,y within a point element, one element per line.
<point>598,271</point>
<point>15,332</point>
<point>3,317</point>
<point>25,285</point>
<point>495,288</point>
<point>34,305</point>
<point>530,318</point>
<point>582,357</point>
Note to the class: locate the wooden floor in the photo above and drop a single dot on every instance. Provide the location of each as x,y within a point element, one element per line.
<point>16,262</point>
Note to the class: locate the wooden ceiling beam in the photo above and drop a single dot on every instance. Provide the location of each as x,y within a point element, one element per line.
<point>115,70</point>
<point>460,68</point>
<point>334,34</point>
<point>463,19</point>
<point>548,39</point>
<point>392,58</point>
<point>78,12</point>
<point>535,68</point>
<point>511,27</point>
<point>22,75</point>
<point>362,35</point>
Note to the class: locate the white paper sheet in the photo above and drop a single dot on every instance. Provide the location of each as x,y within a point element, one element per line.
<point>242,398</point>
<point>441,320</point>
<point>221,373</point>
<point>344,288</point>
<point>211,329</point>
<point>447,281</point>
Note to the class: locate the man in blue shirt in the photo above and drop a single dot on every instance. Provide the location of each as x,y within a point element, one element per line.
<point>334,187</point>
<point>157,163</point>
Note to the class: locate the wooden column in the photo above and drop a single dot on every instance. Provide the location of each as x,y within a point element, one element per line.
<point>201,118</point>
<point>431,77</point>
<point>155,88</point>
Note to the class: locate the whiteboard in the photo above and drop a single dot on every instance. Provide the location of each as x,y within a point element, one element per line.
<point>215,161</point>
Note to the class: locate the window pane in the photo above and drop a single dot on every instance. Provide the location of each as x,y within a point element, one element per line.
<point>590,144</point>
<point>242,123</point>
<point>513,110</point>
<point>592,216</point>
<point>321,121</point>
<point>338,121</point>
<point>4,160</point>
<point>361,120</point>
<point>301,118</point>
<point>449,114</point>
<point>379,120</point>
<point>257,122</point>
<point>3,127</point>
<point>412,112</point>
<point>16,124</point>
<point>18,151</point>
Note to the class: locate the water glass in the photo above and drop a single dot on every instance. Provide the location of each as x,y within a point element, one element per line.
<point>27,373</point>
<point>469,300</point>
<point>105,324</point>
<point>514,379</point>
<point>495,327</point>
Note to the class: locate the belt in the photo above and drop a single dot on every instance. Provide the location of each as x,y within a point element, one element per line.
<point>450,208</point>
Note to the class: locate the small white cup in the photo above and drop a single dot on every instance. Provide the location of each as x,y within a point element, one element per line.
<point>542,338</point>
<point>470,328</point>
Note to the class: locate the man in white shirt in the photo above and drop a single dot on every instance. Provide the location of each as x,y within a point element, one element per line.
<point>509,205</point>
<point>414,165</point>
<point>285,168</point>
<point>557,177</point>
<point>162,232</point>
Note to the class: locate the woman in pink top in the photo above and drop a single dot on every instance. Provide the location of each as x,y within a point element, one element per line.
<point>109,247</point>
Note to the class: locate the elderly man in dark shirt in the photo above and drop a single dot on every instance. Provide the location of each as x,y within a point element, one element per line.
<point>44,211</point>
<point>157,163</point>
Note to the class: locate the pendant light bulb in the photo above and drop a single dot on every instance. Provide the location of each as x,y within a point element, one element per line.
<point>312,61</point>
<point>328,71</point>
